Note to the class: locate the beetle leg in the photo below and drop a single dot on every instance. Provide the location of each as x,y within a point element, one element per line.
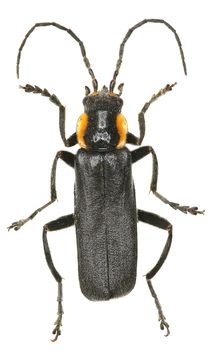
<point>138,140</point>
<point>141,119</point>
<point>68,158</point>
<point>132,139</point>
<point>140,153</point>
<point>162,223</point>
<point>60,223</point>
<point>72,140</point>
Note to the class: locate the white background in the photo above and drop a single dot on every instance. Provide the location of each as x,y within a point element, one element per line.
<point>177,128</point>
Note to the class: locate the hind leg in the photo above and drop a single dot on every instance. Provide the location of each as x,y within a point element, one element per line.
<point>60,223</point>
<point>157,221</point>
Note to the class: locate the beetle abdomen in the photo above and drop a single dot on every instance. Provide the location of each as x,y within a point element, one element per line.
<point>106,223</point>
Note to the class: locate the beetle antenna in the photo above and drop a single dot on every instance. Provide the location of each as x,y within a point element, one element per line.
<point>127,36</point>
<point>69,31</point>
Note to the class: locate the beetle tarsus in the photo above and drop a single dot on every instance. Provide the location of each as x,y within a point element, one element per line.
<point>17,225</point>
<point>56,331</point>
<point>58,322</point>
<point>186,208</point>
<point>44,92</point>
<point>183,208</point>
<point>164,325</point>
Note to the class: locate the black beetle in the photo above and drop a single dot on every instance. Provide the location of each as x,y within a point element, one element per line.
<point>105,214</point>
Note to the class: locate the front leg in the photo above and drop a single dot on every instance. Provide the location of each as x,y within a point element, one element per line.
<point>132,139</point>
<point>72,140</point>
<point>140,153</point>
<point>68,158</point>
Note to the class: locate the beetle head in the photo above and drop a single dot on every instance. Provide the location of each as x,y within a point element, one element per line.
<point>102,126</point>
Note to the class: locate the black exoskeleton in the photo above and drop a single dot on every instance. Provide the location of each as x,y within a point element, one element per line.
<point>102,111</point>
<point>105,213</point>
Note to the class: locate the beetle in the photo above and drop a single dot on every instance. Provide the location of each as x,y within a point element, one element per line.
<point>105,214</point>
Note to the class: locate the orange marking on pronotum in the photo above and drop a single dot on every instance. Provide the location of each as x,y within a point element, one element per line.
<point>122,128</point>
<point>81,128</point>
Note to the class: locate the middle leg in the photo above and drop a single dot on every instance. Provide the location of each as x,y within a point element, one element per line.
<point>68,158</point>
<point>140,153</point>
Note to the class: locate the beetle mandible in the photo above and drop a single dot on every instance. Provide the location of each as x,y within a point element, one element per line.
<point>105,213</point>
